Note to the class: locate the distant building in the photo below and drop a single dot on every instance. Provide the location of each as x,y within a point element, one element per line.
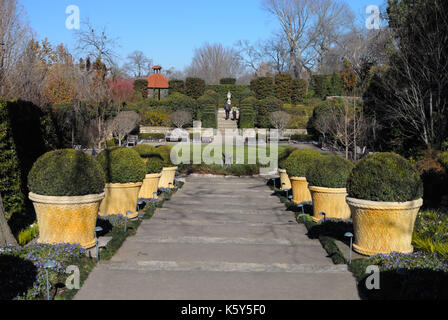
<point>158,84</point>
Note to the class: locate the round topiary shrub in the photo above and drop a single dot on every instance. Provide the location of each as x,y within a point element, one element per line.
<point>154,165</point>
<point>385,177</point>
<point>66,173</point>
<point>298,162</point>
<point>165,153</point>
<point>329,172</point>
<point>145,151</point>
<point>122,165</point>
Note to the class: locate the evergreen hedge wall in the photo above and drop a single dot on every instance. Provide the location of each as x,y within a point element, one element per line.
<point>247,117</point>
<point>209,117</point>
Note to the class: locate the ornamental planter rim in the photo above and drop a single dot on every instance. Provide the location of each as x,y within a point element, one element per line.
<point>123,185</point>
<point>153,175</point>
<point>297,178</point>
<point>62,200</point>
<point>170,168</point>
<point>328,190</point>
<point>380,205</point>
<point>281,171</point>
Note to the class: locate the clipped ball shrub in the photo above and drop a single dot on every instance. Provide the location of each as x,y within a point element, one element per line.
<point>66,173</point>
<point>154,165</point>
<point>122,165</point>
<point>165,153</point>
<point>329,172</point>
<point>385,177</point>
<point>298,162</point>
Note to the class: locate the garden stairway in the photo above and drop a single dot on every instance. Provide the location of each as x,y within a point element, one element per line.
<point>220,239</point>
<point>224,124</point>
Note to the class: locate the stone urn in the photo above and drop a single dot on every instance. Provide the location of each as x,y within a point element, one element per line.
<point>120,199</point>
<point>300,191</point>
<point>331,201</point>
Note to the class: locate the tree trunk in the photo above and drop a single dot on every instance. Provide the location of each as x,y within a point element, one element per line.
<point>6,236</point>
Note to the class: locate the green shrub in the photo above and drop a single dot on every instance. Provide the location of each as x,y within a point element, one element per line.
<point>66,173</point>
<point>209,117</point>
<point>283,87</point>
<point>385,177</point>
<point>227,81</point>
<point>194,87</point>
<point>165,153</point>
<point>298,162</point>
<point>28,235</point>
<point>154,165</point>
<point>143,136</point>
<point>265,108</point>
<point>302,137</point>
<point>262,87</point>
<point>298,90</point>
<point>320,84</point>
<point>111,143</point>
<point>444,159</point>
<point>122,165</point>
<point>176,86</point>
<point>239,92</point>
<point>329,172</point>
<point>141,86</point>
<point>146,151</point>
<point>283,156</point>
<point>247,117</point>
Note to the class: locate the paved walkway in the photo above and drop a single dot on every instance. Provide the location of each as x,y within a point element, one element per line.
<point>221,239</point>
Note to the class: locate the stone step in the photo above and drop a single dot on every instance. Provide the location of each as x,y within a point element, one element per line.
<point>213,252</point>
<point>120,283</point>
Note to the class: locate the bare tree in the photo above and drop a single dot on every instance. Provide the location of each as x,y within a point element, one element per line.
<point>213,62</point>
<point>307,26</point>
<point>123,124</point>
<point>96,43</point>
<point>181,118</point>
<point>279,120</point>
<point>138,64</point>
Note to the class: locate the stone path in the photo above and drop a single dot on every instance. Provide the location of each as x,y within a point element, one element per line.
<point>221,239</point>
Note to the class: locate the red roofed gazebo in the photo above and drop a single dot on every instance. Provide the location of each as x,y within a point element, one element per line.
<point>158,82</point>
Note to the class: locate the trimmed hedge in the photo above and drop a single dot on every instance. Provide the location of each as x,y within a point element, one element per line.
<point>329,172</point>
<point>66,173</point>
<point>247,117</point>
<point>194,87</point>
<point>265,108</point>
<point>122,165</point>
<point>146,151</point>
<point>209,117</point>
<point>385,177</point>
<point>262,87</point>
<point>283,87</point>
<point>298,90</point>
<point>141,86</point>
<point>154,165</point>
<point>227,81</point>
<point>165,153</point>
<point>298,162</point>
<point>176,85</point>
<point>143,136</point>
<point>239,92</point>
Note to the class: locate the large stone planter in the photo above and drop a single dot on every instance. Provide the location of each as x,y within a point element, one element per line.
<point>300,190</point>
<point>383,227</point>
<point>168,175</point>
<point>150,186</point>
<point>67,219</point>
<point>331,201</point>
<point>120,199</point>
<point>284,180</point>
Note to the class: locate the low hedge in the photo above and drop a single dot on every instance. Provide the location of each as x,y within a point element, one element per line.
<point>247,117</point>
<point>146,151</point>
<point>148,136</point>
<point>66,173</point>
<point>299,161</point>
<point>165,153</point>
<point>329,172</point>
<point>122,165</point>
<point>385,177</point>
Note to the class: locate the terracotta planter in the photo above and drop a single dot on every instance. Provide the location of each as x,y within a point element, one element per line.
<point>150,186</point>
<point>67,219</point>
<point>121,198</point>
<point>168,175</point>
<point>300,190</point>
<point>284,180</point>
<point>383,227</point>
<point>331,201</point>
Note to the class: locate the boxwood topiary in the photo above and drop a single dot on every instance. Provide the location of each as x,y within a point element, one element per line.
<point>165,153</point>
<point>154,165</point>
<point>299,161</point>
<point>67,173</point>
<point>329,172</point>
<point>122,165</point>
<point>385,177</point>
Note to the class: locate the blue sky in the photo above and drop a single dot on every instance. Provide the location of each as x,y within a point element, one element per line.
<point>167,31</point>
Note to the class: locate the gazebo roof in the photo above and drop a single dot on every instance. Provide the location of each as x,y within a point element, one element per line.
<point>158,81</point>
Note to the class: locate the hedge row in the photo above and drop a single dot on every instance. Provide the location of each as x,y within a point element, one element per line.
<point>247,117</point>
<point>209,117</point>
